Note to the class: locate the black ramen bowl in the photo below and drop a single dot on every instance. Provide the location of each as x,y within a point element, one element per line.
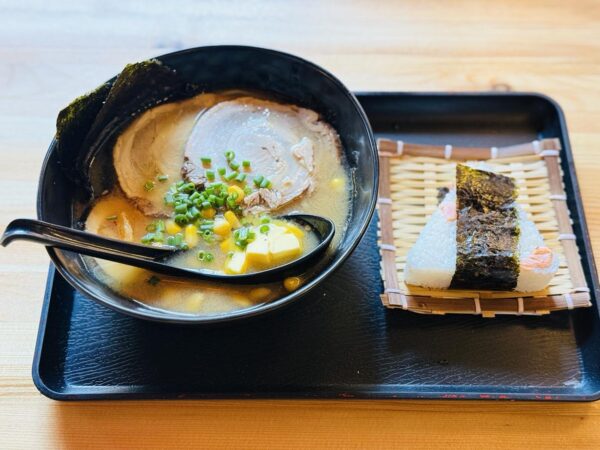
<point>61,199</point>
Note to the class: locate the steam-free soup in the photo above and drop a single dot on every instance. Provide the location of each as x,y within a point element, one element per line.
<point>210,175</point>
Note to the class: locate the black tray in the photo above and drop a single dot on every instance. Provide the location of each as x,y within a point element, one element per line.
<point>340,342</point>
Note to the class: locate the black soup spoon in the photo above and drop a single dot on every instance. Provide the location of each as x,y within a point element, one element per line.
<point>155,257</point>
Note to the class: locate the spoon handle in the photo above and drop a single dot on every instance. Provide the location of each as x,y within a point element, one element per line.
<point>79,241</point>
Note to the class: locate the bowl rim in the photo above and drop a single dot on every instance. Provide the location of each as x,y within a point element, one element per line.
<point>165,316</point>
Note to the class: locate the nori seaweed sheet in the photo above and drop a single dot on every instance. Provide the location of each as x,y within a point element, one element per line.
<point>487,233</point>
<point>90,122</point>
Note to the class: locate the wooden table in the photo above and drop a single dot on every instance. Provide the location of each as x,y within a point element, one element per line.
<point>50,53</point>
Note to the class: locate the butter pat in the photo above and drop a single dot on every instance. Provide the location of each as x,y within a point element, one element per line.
<point>284,246</point>
<point>295,230</point>
<point>237,263</point>
<point>257,251</point>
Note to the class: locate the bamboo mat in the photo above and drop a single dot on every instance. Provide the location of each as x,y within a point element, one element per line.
<point>410,176</point>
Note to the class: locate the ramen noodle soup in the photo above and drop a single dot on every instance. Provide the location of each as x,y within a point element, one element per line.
<point>211,176</point>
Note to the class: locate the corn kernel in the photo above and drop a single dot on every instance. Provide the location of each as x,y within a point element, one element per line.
<point>232,219</point>
<point>238,190</point>
<point>194,302</point>
<point>171,227</point>
<point>124,275</point>
<point>222,227</point>
<point>208,213</point>
<point>191,235</point>
<point>259,294</point>
<point>337,184</point>
<point>241,300</point>
<point>227,245</point>
<point>291,283</point>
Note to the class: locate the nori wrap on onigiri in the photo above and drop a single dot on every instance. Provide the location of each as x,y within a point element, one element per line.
<point>487,233</point>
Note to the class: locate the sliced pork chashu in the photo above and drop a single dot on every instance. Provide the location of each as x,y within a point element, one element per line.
<point>153,146</point>
<point>279,140</point>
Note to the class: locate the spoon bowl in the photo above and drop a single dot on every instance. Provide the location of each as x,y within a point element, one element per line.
<point>154,257</point>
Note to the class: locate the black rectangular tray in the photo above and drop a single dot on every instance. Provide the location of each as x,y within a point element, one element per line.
<point>340,342</point>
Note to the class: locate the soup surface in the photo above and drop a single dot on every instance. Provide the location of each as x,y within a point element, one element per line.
<point>210,175</point>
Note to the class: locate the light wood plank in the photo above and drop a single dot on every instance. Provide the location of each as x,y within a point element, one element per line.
<point>51,52</point>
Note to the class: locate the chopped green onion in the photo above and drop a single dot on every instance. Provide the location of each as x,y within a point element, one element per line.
<point>210,175</point>
<point>162,178</point>
<point>171,241</point>
<point>112,218</point>
<point>265,183</point>
<point>148,238</point>
<point>178,239</point>
<point>159,225</point>
<point>258,180</point>
<point>246,163</point>
<point>208,236</point>
<point>265,219</point>
<point>264,229</point>
<point>149,185</point>
<point>234,165</point>
<point>206,205</point>
<point>169,199</point>
<point>221,171</point>
<point>247,190</point>
<point>181,208</point>
<point>181,219</point>
<point>241,177</point>
<point>205,256</point>
<point>188,187</point>
<point>151,227</point>
<point>231,200</point>
<point>229,155</point>
<point>206,161</point>
<point>243,236</point>
<point>231,176</point>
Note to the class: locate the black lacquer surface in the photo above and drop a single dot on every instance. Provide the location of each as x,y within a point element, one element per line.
<point>340,341</point>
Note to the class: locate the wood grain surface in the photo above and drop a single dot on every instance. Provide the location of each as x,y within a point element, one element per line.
<point>50,52</point>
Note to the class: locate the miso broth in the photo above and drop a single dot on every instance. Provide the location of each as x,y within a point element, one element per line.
<point>127,217</point>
